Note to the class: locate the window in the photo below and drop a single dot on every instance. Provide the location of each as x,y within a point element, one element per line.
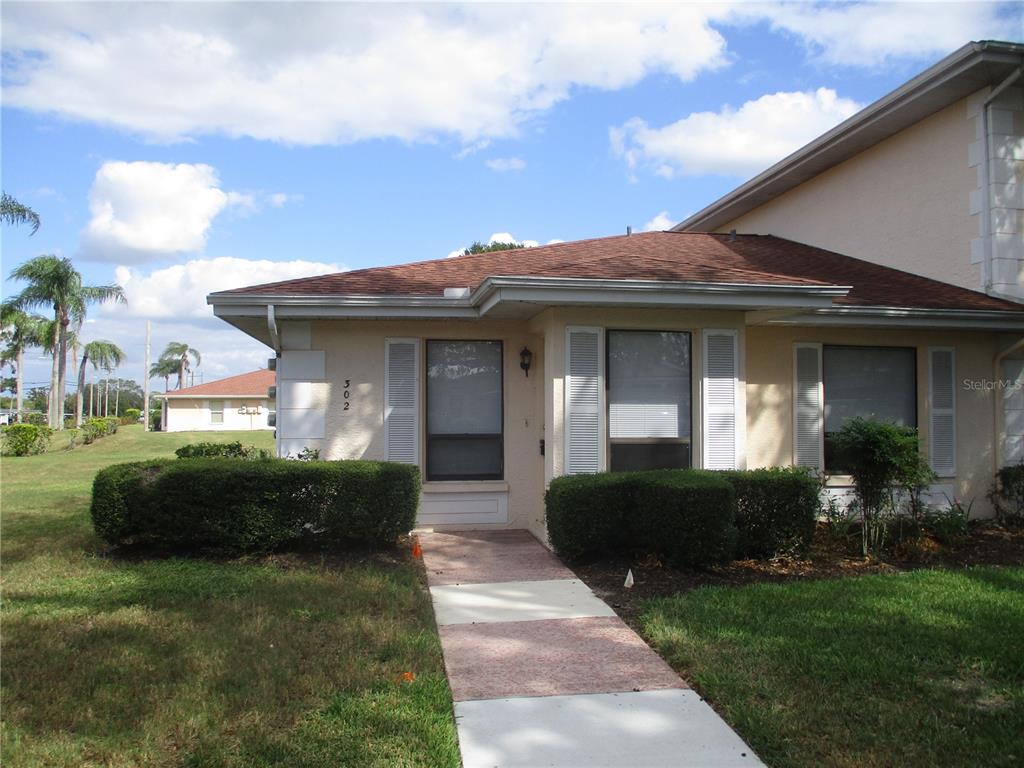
<point>871,382</point>
<point>216,411</point>
<point>464,410</point>
<point>648,400</point>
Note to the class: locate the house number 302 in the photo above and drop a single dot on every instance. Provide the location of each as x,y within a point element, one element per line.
<point>347,394</point>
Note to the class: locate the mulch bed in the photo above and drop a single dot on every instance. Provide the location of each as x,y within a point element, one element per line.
<point>985,544</point>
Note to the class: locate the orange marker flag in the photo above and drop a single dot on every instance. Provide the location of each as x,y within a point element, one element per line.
<point>417,551</point>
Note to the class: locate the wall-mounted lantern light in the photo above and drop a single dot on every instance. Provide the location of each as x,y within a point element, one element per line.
<point>525,358</point>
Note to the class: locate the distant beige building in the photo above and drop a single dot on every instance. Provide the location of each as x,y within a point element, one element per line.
<point>235,403</point>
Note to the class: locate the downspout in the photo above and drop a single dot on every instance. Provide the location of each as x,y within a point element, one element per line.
<point>275,340</point>
<point>986,177</point>
<point>997,401</point>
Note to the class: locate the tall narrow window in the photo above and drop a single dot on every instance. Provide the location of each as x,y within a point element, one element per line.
<point>870,382</point>
<point>216,411</point>
<point>648,399</point>
<point>464,410</point>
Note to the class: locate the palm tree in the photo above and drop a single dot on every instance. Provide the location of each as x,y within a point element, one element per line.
<point>20,331</point>
<point>164,368</point>
<point>54,282</point>
<point>13,212</point>
<point>102,354</point>
<point>181,353</point>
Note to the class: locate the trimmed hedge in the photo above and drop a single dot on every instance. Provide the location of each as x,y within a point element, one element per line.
<point>688,516</point>
<point>776,510</point>
<point>233,450</point>
<point>229,506</point>
<point>692,517</point>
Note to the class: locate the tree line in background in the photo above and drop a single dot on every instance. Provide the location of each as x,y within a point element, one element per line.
<point>53,283</point>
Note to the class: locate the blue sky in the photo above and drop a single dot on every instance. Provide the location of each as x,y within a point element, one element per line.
<point>179,149</point>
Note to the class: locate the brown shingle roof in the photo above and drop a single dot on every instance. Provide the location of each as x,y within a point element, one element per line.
<point>668,256</point>
<point>252,384</point>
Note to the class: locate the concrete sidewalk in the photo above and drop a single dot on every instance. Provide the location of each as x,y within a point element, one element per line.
<point>543,673</point>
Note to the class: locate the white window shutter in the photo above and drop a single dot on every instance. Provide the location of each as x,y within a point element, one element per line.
<point>584,390</point>
<point>808,407</point>
<point>401,400</point>
<point>721,375</point>
<point>942,410</point>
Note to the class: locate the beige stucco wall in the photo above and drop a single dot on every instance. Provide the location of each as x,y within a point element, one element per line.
<point>904,202</point>
<point>355,352</point>
<point>193,414</point>
<point>533,407</point>
<point>770,395</point>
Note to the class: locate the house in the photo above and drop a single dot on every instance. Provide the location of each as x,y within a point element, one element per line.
<point>928,179</point>
<point>236,403</point>
<point>497,372</point>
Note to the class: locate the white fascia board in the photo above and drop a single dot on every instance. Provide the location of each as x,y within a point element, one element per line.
<point>538,290</point>
<point>660,295</point>
<point>909,317</point>
<point>355,307</point>
<point>962,72</point>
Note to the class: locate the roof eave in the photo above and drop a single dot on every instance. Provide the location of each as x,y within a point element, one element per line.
<point>539,291</point>
<point>907,317</point>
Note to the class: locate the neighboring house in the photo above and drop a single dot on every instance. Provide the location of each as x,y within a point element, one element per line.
<point>235,403</point>
<point>497,372</point>
<point>929,178</point>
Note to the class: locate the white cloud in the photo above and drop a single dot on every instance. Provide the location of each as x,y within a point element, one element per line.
<point>279,199</point>
<point>502,164</point>
<point>659,223</point>
<point>147,210</point>
<point>872,34</point>
<point>732,142</point>
<point>180,291</point>
<point>337,72</point>
<point>325,73</point>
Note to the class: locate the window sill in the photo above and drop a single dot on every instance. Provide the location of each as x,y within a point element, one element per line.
<point>465,486</point>
<point>838,480</point>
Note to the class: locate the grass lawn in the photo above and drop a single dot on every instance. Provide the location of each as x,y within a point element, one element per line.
<point>914,669</point>
<point>292,661</point>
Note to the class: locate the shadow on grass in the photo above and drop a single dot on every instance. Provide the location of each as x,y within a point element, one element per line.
<point>142,659</point>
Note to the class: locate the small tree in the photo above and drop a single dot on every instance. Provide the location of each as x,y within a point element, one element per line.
<point>478,247</point>
<point>885,462</point>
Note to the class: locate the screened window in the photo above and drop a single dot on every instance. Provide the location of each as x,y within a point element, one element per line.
<point>870,382</point>
<point>216,411</point>
<point>648,400</point>
<point>464,410</point>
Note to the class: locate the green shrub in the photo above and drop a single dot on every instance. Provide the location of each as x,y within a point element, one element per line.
<point>585,513</point>
<point>1008,494</point>
<point>119,492</point>
<point>776,510</point>
<point>25,439</point>
<point>949,524</point>
<point>885,462</point>
<point>131,415</point>
<point>36,419</point>
<point>233,505</point>
<point>233,450</point>
<point>685,515</point>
